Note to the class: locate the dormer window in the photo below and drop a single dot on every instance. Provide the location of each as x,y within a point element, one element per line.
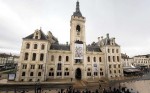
<point>37,34</point>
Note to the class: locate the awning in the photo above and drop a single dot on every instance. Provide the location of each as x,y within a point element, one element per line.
<point>131,70</point>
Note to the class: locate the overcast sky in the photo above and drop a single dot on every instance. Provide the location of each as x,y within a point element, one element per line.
<point>126,20</point>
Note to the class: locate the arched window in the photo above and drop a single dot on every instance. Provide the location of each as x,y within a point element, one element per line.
<point>39,74</point>
<point>34,57</point>
<point>31,74</point>
<point>88,59</point>
<point>27,46</point>
<point>41,57</point>
<point>26,56</point>
<point>67,58</point>
<point>42,47</point>
<point>51,69</point>
<point>35,46</point>
<point>52,58</point>
<point>59,58</point>
<point>78,28</point>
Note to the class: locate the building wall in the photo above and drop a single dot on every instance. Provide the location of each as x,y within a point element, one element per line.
<point>93,64</point>
<point>141,61</point>
<point>28,65</point>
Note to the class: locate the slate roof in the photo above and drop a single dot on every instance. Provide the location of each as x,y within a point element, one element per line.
<point>77,12</point>
<point>43,36</point>
<point>107,41</point>
<point>59,47</point>
<point>93,48</point>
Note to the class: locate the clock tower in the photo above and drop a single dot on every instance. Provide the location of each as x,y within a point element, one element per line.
<point>77,42</point>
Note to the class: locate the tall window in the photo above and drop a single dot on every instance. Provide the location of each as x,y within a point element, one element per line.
<point>59,66</point>
<point>117,51</point>
<point>26,56</point>
<point>95,73</point>
<point>40,66</point>
<point>32,66</point>
<point>109,66</point>
<point>66,72</point>
<point>118,66</point>
<point>112,50</point>
<point>108,58</point>
<point>59,58</point>
<point>34,57</point>
<point>31,73</point>
<point>100,59</point>
<point>23,73</point>
<point>35,46</point>
<point>78,30</point>
<point>113,58</point>
<point>27,46</point>
<point>114,66</point>
<point>88,58</point>
<point>51,73</point>
<point>42,47</point>
<point>67,58</point>
<point>108,50</point>
<point>118,58</point>
<point>39,74</point>
<point>41,57</point>
<point>94,59</point>
<point>52,57</point>
<point>24,66</point>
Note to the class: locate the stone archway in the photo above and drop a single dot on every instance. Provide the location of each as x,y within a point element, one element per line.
<point>78,74</point>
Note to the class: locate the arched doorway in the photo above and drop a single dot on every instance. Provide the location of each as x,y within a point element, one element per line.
<point>78,74</point>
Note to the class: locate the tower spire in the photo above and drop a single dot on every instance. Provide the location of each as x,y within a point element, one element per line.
<point>77,6</point>
<point>77,12</point>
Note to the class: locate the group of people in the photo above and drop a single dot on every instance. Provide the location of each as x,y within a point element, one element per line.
<point>109,90</point>
<point>118,90</point>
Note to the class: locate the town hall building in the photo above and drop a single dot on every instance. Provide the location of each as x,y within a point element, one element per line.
<point>42,57</point>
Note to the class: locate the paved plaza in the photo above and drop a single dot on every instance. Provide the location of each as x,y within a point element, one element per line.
<point>138,84</point>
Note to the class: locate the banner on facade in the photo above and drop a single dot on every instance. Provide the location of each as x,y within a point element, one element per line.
<point>11,76</point>
<point>78,51</point>
<point>95,67</point>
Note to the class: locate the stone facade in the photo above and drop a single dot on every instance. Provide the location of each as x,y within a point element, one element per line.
<point>43,58</point>
<point>126,61</point>
<point>8,60</point>
<point>142,60</point>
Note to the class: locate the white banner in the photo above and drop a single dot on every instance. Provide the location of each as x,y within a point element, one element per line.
<point>11,76</point>
<point>78,51</point>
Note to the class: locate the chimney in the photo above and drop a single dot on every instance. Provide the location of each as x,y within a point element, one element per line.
<point>113,40</point>
<point>107,35</point>
<point>102,37</point>
<point>98,39</point>
<point>66,43</point>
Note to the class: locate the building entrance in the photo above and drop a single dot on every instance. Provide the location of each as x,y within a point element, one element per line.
<point>78,74</point>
